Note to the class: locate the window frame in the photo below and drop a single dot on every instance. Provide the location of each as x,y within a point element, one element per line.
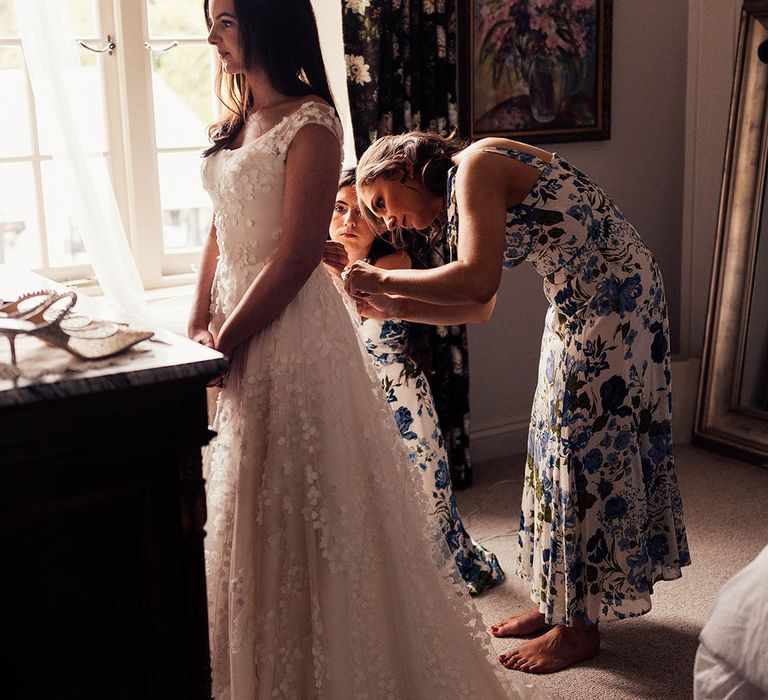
<point>75,271</point>
<point>134,103</point>
<point>132,152</point>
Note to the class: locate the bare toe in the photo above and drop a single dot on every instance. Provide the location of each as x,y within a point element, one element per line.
<point>529,622</point>
<point>557,649</point>
<point>510,659</point>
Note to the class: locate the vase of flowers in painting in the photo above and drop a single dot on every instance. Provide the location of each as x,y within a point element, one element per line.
<point>546,87</point>
<point>533,65</point>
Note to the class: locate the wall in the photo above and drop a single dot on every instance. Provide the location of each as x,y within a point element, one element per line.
<point>713,29</point>
<point>642,167</point>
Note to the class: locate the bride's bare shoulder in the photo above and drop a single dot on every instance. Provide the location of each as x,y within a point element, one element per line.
<point>311,100</point>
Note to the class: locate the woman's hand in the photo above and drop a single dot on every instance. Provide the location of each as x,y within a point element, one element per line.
<point>381,307</point>
<point>202,336</point>
<point>224,346</point>
<point>224,349</point>
<point>361,280</point>
<point>335,257</point>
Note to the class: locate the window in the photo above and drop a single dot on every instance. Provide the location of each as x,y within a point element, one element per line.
<point>35,230</point>
<point>144,108</point>
<point>182,69</point>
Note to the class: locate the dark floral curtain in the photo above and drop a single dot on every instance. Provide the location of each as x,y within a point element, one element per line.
<point>401,75</point>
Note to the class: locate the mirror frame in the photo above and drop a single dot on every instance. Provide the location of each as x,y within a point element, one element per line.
<point>723,423</point>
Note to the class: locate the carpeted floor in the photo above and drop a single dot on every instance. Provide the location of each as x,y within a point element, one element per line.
<point>650,657</point>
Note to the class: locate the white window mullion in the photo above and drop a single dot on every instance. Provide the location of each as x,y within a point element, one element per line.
<point>116,161</point>
<point>138,137</point>
<point>41,218</point>
<point>37,174</point>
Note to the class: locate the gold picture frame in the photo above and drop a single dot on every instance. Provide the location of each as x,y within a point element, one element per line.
<point>727,419</point>
<point>535,72</point>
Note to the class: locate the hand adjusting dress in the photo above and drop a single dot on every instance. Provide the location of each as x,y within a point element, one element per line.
<point>322,566</point>
<point>601,517</point>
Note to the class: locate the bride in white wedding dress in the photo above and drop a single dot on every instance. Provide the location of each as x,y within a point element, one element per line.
<point>325,577</point>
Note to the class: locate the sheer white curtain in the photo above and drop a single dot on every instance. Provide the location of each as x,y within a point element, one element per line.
<point>53,63</point>
<point>329,26</point>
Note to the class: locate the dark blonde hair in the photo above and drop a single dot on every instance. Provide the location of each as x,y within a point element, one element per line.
<point>424,156</point>
<point>280,37</point>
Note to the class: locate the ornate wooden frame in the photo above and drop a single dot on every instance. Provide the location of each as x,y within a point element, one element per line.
<point>722,421</point>
<point>545,134</point>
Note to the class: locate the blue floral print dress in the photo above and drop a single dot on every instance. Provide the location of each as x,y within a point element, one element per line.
<point>601,519</point>
<point>407,392</point>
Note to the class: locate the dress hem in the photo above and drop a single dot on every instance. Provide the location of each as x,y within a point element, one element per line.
<point>664,576</point>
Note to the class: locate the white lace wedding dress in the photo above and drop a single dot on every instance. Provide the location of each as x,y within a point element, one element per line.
<point>322,579</point>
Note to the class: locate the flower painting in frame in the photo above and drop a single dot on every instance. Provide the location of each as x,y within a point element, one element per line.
<point>535,70</point>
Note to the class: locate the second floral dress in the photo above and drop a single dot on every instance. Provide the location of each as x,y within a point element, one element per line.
<point>407,392</point>
<point>601,520</point>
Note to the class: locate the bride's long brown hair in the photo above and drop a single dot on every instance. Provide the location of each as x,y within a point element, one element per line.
<point>281,37</point>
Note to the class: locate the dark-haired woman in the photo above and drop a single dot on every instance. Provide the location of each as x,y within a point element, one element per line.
<point>601,518</point>
<point>324,579</point>
<point>391,347</point>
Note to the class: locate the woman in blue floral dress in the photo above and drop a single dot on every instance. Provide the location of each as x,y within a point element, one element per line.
<point>601,519</point>
<point>393,355</point>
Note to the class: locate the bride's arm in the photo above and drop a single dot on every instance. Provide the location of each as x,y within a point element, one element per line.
<point>312,170</point>
<point>199,317</point>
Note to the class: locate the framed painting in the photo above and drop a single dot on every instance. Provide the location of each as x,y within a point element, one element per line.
<point>535,70</point>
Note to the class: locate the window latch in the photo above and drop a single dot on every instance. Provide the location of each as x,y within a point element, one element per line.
<point>153,49</point>
<point>109,47</point>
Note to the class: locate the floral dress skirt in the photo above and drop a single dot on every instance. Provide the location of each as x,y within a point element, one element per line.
<point>408,394</point>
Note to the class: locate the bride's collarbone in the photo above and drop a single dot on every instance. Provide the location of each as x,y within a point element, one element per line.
<point>263,120</point>
<point>260,122</point>
<point>255,129</point>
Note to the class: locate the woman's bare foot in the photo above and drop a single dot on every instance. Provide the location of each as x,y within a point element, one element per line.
<point>529,622</point>
<point>555,650</point>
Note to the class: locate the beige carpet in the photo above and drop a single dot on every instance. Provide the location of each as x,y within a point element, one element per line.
<point>726,509</point>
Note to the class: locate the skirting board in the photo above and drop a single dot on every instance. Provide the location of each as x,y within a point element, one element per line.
<point>508,438</point>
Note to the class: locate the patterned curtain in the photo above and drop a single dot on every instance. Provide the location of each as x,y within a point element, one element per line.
<point>401,75</point>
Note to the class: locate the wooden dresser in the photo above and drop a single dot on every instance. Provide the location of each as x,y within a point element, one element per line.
<point>102,510</point>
